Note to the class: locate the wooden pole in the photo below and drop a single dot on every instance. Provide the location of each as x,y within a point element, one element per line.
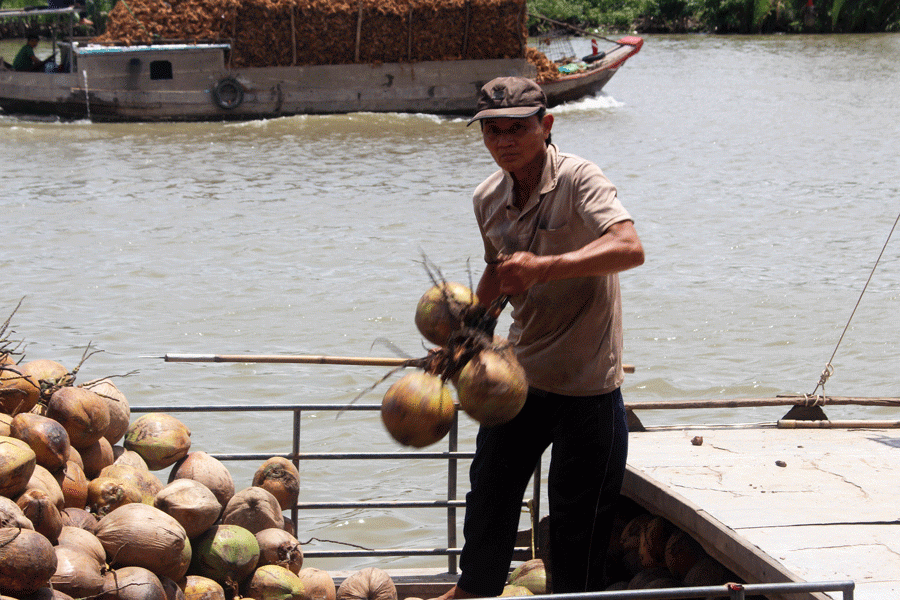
<point>312,359</point>
<point>358,31</point>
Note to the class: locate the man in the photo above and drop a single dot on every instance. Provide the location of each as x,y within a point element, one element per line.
<point>555,236</point>
<point>26,60</point>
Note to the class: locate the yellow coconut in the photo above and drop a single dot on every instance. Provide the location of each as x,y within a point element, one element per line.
<point>370,583</point>
<point>278,547</point>
<point>140,535</point>
<point>42,512</point>
<point>97,457</point>
<point>17,462</point>
<point>209,471</point>
<point>75,486</point>
<point>19,392</point>
<point>132,583</point>
<point>273,582</point>
<point>254,509</point>
<point>279,477</point>
<point>418,410</point>
<point>317,584</point>
<point>442,311</point>
<point>84,414</point>
<point>160,439</point>
<point>492,387</point>
<point>515,590</point>
<point>46,437</point>
<point>532,575</point>
<point>197,587</point>
<point>27,561</point>
<point>191,503</point>
<point>119,409</point>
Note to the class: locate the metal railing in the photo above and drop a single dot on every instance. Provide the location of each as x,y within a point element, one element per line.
<point>452,455</point>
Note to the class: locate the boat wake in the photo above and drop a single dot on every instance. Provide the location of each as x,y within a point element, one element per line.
<point>589,103</point>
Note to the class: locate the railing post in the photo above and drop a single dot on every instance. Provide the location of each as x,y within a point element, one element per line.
<point>295,456</point>
<point>451,494</point>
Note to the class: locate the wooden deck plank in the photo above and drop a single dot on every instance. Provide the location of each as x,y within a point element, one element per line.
<point>822,504</point>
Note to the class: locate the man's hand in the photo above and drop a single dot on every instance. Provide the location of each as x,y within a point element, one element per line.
<point>520,271</point>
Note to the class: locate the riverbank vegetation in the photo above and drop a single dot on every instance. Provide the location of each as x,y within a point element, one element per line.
<point>641,16</point>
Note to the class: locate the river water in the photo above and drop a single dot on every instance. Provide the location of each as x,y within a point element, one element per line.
<point>762,173</point>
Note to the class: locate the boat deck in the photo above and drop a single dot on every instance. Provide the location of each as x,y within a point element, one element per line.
<point>789,504</point>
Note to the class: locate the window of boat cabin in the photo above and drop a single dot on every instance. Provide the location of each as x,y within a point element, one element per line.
<point>160,69</point>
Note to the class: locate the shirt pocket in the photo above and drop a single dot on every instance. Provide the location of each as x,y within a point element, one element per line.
<point>553,241</point>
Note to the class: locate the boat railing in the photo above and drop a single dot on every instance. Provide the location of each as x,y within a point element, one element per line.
<point>449,504</point>
<point>734,591</point>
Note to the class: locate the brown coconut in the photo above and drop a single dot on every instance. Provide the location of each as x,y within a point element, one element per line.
<point>418,409</point>
<point>278,547</point>
<point>141,535</point>
<point>84,540</point>
<point>160,439</point>
<point>129,457</point>
<point>45,436</point>
<point>145,481</point>
<point>119,409</point>
<point>209,471</point>
<point>77,572</point>
<point>83,413</point>
<point>106,494</point>
<point>27,561</point>
<point>652,544</point>
<point>279,477</point>
<point>5,422</point>
<point>42,512</point>
<point>173,592</point>
<point>97,457</point>
<point>48,373</point>
<point>273,582</point>
<point>370,583</point>
<point>78,517</point>
<point>75,457</point>
<point>492,387</point>
<point>75,486</point>
<point>253,509</point>
<point>19,392</point>
<point>11,515</point>
<point>317,584</point>
<point>197,587</point>
<point>682,553</point>
<point>706,572</point>
<point>441,311</point>
<point>132,583</point>
<point>45,481</point>
<point>531,574</point>
<point>17,461</point>
<point>191,503</point>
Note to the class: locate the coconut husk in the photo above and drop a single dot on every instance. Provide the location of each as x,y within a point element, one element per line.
<point>209,471</point>
<point>278,547</point>
<point>173,592</point>
<point>317,584</point>
<point>19,392</point>
<point>45,436</point>
<point>531,574</point>
<point>145,481</point>
<point>78,517</point>
<point>75,457</point>
<point>45,481</point>
<point>705,572</point>
<point>274,581</point>
<point>119,409</point>
<point>132,583</point>
<point>370,583</point>
<point>515,590</point>
<point>49,374</point>
<point>227,554</point>
<point>160,439</point>
<point>84,540</point>
<point>27,561</point>
<point>84,414</point>
<point>191,503</point>
<point>682,553</point>
<point>418,409</point>
<point>253,509</point>
<point>279,477</point>
<point>141,535</point>
<point>97,457</point>
<point>74,486</point>
<point>492,387</point>
<point>11,515</point>
<point>5,422</point>
<point>197,587</point>
<point>652,544</point>
<point>129,457</point>
<point>106,494</point>
<point>77,572</point>
<point>42,512</point>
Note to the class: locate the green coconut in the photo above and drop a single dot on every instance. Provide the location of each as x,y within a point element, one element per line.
<point>515,590</point>
<point>226,553</point>
<point>160,439</point>
<point>442,311</point>
<point>83,413</point>
<point>279,477</point>
<point>531,574</point>
<point>272,582</point>
<point>27,561</point>
<point>17,461</point>
<point>492,387</point>
<point>45,436</point>
<point>418,409</point>
<point>140,535</point>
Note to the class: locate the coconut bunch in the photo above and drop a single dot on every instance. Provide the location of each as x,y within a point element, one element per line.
<point>491,386</point>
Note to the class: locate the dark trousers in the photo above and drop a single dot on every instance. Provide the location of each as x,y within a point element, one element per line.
<point>587,464</point>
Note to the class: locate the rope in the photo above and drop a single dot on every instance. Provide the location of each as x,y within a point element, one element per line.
<point>829,369</point>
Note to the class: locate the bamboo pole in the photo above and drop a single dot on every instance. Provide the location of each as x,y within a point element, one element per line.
<point>838,424</point>
<point>314,359</point>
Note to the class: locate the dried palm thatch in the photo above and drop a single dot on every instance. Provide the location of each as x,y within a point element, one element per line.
<point>317,32</point>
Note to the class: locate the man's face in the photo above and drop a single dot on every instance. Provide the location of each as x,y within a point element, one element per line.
<point>516,142</point>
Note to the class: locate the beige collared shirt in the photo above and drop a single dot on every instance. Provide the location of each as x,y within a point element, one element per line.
<point>568,333</point>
